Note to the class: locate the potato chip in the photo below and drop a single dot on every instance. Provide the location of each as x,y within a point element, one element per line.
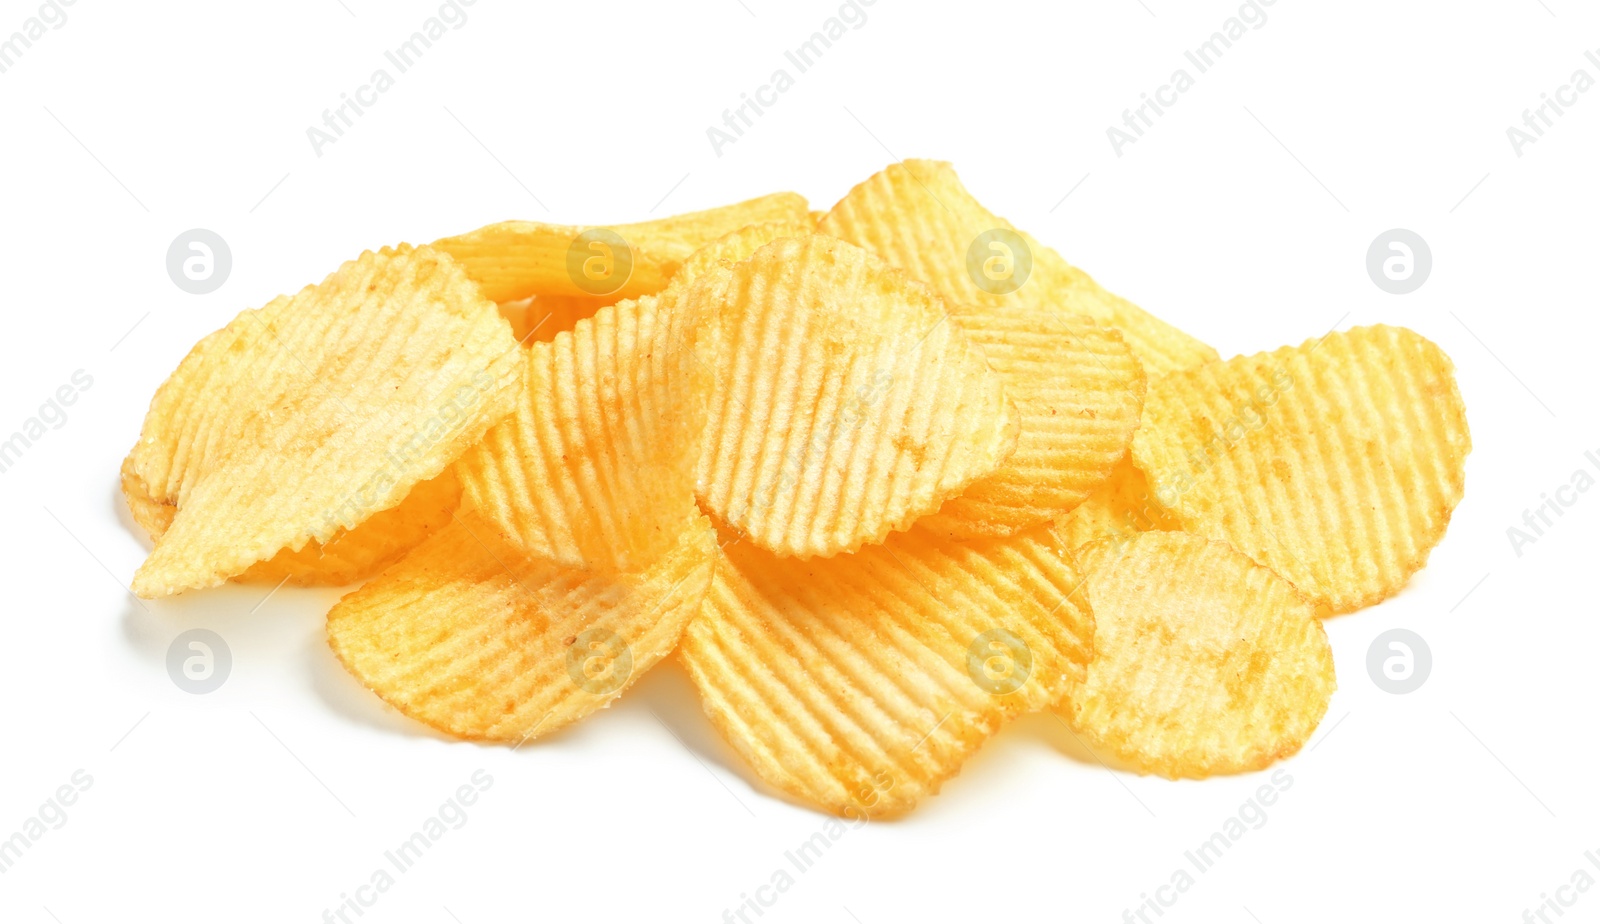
<point>1336,463</point>
<point>1204,661</point>
<point>845,405</point>
<point>310,415</point>
<point>477,640</point>
<point>1121,508</point>
<point>516,259</point>
<point>919,217</point>
<point>595,468</point>
<point>861,682</point>
<point>350,556</point>
<point>1078,391</point>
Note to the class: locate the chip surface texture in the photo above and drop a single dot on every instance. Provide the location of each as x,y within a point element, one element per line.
<point>1204,661</point>
<point>859,683</point>
<point>846,405</point>
<point>1336,463</point>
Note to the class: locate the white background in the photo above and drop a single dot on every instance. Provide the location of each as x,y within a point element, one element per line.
<point>1243,216</point>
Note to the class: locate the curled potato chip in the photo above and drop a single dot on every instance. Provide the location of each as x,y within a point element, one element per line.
<point>350,556</point>
<point>1336,463</point>
<point>861,682</point>
<point>516,259</point>
<point>312,414</point>
<point>472,637</point>
<point>845,406</point>
<point>919,217</point>
<point>1121,508</point>
<point>1204,661</point>
<point>595,467</point>
<point>1078,391</point>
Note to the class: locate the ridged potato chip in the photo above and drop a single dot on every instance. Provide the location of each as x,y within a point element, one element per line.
<point>350,556</point>
<point>470,636</point>
<point>1078,391</point>
<point>516,259</point>
<point>845,405</point>
<point>312,414</point>
<point>1204,661</point>
<point>1336,463</point>
<point>919,217</point>
<point>594,470</point>
<point>861,682</point>
<point>1120,508</point>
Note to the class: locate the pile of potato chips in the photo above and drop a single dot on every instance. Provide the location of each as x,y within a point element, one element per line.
<point>883,477</point>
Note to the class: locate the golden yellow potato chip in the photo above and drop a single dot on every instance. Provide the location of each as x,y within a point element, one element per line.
<point>1078,390</point>
<point>861,682</point>
<point>1336,463</point>
<point>919,217</point>
<point>516,259</point>
<point>312,414</point>
<point>846,406</point>
<point>1204,661</point>
<point>1120,508</point>
<point>477,640</point>
<point>350,556</point>
<point>595,468</point>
